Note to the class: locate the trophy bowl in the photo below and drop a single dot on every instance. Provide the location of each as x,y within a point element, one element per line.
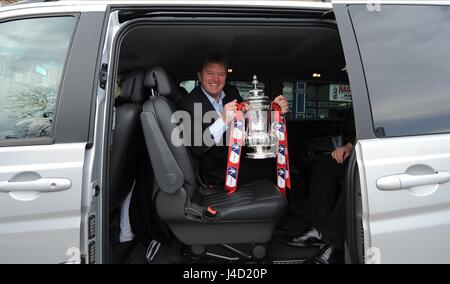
<point>259,137</point>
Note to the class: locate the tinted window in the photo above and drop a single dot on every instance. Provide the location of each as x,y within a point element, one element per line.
<point>189,85</point>
<point>312,100</point>
<point>242,86</point>
<point>406,59</point>
<point>32,57</point>
<point>245,86</point>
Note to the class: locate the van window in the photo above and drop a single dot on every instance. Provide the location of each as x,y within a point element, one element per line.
<point>406,61</point>
<point>245,86</point>
<point>2,65</point>
<point>312,100</point>
<point>32,57</point>
<point>242,86</point>
<point>189,85</point>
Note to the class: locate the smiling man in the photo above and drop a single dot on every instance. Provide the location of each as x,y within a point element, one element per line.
<point>220,99</point>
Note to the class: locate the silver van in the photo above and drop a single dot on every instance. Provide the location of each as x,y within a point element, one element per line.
<point>82,126</point>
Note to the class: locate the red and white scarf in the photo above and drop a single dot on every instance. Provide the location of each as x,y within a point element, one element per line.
<point>237,142</point>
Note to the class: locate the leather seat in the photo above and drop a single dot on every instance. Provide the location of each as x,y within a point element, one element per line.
<point>252,201</point>
<point>183,92</point>
<point>247,216</point>
<point>126,136</point>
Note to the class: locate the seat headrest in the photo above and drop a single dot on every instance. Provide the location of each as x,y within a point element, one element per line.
<point>133,88</point>
<point>157,79</point>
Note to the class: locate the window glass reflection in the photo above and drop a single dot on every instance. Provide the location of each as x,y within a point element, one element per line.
<point>32,57</point>
<point>406,61</point>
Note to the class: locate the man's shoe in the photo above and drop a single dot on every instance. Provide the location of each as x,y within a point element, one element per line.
<point>327,255</point>
<point>310,238</point>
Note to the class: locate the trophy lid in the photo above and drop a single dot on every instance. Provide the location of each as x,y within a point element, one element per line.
<point>255,91</point>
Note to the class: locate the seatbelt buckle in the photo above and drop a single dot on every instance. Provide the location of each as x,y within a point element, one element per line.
<point>210,213</point>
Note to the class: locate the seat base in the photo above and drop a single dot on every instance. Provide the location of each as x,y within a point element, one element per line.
<point>255,253</point>
<point>200,233</point>
<point>249,215</point>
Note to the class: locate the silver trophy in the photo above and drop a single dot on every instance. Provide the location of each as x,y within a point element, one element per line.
<point>259,135</point>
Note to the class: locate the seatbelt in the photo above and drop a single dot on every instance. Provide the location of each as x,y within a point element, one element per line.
<point>237,141</point>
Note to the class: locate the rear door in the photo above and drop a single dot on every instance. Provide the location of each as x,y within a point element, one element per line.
<point>47,70</point>
<point>399,63</point>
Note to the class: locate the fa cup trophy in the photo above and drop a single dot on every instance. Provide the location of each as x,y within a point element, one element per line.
<point>260,138</point>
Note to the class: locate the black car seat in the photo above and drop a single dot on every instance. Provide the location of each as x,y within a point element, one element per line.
<point>183,91</point>
<point>127,133</point>
<point>247,216</point>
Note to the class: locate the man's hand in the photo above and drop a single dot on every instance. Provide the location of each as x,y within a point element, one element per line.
<point>342,153</point>
<point>229,111</point>
<point>283,103</point>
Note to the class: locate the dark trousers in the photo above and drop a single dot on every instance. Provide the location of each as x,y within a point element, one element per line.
<point>250,171</point>
<point>325,207</point>
<point>253,170</point>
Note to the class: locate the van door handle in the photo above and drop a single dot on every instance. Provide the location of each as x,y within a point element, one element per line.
<point>41,185</point>
<point>404,181</point>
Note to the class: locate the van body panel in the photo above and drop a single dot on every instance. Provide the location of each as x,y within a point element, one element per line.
<point>46,226</point>
<point>405,215</point>
<point>411,224</point>
<point>41,227</point>
<point>408,224</point>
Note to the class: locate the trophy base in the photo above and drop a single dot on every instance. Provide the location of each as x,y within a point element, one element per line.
<point>260,155</point>
<point>260,152</point>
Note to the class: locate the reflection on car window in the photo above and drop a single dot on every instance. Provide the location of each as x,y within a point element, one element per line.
<point>243,86</point>
<point>32,57</point>
<point>406,60</point>
<point>313,100</point>
<point>189,85</point>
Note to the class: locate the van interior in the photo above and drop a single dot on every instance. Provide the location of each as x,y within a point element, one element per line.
<point>297,55</point>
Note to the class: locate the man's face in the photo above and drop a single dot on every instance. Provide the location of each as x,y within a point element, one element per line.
<point>213,78</point>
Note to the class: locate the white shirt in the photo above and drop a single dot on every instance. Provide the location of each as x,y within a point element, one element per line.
<point>218,127</point>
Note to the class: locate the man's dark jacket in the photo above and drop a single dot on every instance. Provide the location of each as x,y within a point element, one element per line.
<point>212,159</point>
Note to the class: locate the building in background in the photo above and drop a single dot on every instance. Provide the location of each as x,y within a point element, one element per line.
<point>6,2</point>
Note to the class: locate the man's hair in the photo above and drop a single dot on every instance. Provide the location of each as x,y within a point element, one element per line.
<point>213,58</point>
